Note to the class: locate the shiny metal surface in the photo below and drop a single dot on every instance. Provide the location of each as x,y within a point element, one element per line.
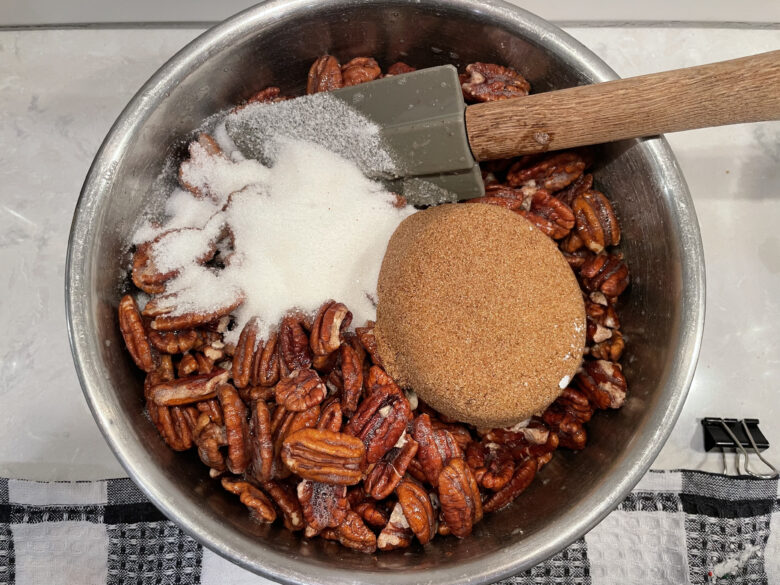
<point>276,42</point>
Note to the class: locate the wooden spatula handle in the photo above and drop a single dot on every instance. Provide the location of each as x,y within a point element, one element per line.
<point>729,92</point>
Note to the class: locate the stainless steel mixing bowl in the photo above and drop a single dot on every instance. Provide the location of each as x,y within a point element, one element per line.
<point>274,43</point>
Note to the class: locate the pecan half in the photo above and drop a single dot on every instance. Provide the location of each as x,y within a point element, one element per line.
<point>301,390</point>
<point>205,364</point>
<point>211,148</point>
<point>330,415</point>
<point>188,390</point>
<point>577,259</point>
<point>460,433</point>
<point>261,445</point>
<point>252,393</point>
<point>286,499</point>
<point>553,172</point>
<point>324,75</point>
<point>418,509</point>
<point>265,367</point>
<point>487,82</point>
<point>567,426</point>
<point>325,364</point>
<point>294,344</point>
<point>162,373</point>
<point>383,477</point>
<point>331,319</point>
<point>549,214</point>
<point>597,225</point>
<point>360,70</point>
<point>351,378</point>
<point>169,322</point>
<point>575,403</point>
<point>269,95</point>
<point>260,507</point>
<point>132,327</point>
<point>399,68</point>
<point>145,274</point>
<point>437,448</point>
<point>602,318</point>
<point>378,379</point>
<point>610,349</point>
<point>243,358</point>
<point>415,470</point>
<point>491,463</point>
<point>212,408</point>
<point>236,428</point>
<point>461,503</point>
<point>397,533</point>
<point>520,480</point>
<point>368,341</point>
<point>606,273</point>
<point>173,424</point>
<point>325,456</point>
<point>372,512</point>
<point>173,341</point>
<point>209,438</point>
<point>354,534</point>
<point>573,244</point>
<point>324,505</point>
<point>580,185</point>
<point>603,383</point>
<point>187,365</point>
<point>379,422</point>
<point>529,442</point>
<point>285,422</point>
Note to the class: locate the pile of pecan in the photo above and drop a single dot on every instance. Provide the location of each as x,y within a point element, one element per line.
<point>307,428</point>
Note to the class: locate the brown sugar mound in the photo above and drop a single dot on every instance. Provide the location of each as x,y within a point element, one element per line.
<point>479,313</point>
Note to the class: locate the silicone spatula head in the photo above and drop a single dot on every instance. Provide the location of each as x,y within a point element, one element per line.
<point>421,120</point>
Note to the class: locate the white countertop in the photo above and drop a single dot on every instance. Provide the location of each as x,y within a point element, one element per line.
<point>60,90</point>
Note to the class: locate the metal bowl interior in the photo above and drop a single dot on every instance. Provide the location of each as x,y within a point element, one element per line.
<point>274,43</point>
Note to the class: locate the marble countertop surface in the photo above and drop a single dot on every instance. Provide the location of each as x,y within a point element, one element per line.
<point>60,91</point>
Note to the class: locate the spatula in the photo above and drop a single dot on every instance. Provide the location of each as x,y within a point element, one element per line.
<point>438,140</point>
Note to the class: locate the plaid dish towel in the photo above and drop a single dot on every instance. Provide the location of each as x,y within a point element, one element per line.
<point>676,527</point>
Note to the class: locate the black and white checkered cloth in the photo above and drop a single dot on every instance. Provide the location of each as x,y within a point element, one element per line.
<point>676,527</point>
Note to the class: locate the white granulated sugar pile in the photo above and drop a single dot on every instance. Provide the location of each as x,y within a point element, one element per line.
<point>319,118</point>
<point>306,226</point>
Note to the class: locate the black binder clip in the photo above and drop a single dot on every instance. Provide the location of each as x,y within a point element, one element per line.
<point>738,436</point>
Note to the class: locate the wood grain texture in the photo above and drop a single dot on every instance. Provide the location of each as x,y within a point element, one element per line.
<point>729,92</point>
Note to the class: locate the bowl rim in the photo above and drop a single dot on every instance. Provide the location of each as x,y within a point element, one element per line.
<point>289,569</point>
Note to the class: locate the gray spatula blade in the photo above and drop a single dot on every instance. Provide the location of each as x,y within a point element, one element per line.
<point>422,119</point>
<point>421,116</point>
